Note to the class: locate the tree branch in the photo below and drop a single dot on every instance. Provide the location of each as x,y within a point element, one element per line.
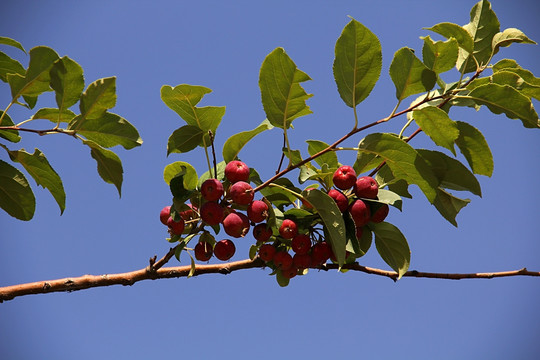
<point>150,273</point>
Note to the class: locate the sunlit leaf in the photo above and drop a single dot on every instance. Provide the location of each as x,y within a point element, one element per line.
<point>109,165</point>
<point>188,171</point>
<point>507,37</point>
<point>438,126</point>
<point>329,158</point>
<point>409,74</point>
<point>9,66</point>
<point>392,246</point>
<point>449,205</point>
<point>235,143</point>
<point>440,56</point>
<point>184,139</point>
<point>8,41</point>
<point>98,97</point>
<point>11,134</point>
<point>475,149</point>
<point>450,30</point>
<point>107,130</point>
<point>67,81</point>
<point>16,196</point>
<point>54,115</point>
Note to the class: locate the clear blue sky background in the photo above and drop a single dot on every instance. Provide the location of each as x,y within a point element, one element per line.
<point>221,45</point>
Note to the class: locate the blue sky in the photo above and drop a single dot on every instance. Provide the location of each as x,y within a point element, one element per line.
<point>246,315</point>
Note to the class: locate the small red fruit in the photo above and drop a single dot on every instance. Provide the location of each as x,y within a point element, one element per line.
<point>359,232</point>
<point>176,227</point>
<point>203,251</point>
<point>366,187</point>
<point>360,212</point>
<point>164,214</point>
<point>288,229</point>
<point>283,260</point>
<point>267,252</point>
<point>340,199</point>
<point>301,244</point>
<point>189,214</point>
<point>301,261</point>
<point>320,253</point>
<point>241,193</point>
<point>212,190</point>
<point>380,214</point>
<point>257,211</point>
<point>211,213</point>
<point>236,224</point>
<point>344,177</point>
<point>261,232</point>
<point>224,249</point>
<point>290,272</point>
<point>236,171</point>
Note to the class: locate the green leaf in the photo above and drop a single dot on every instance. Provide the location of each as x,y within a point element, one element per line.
<point>294,156</point>
<point>235,143</point>
<point>107,130</point>
<point>8,41</point>
<point>517,82</point>
<point>181,167</point>
<point>54,115</point>
<point>10,135</point>
<point>507,37</point>
<point>332,219</point>
<point>182,100</point>
<point>329,158</point>
<point>410,75</point>
<point>220,174</point>
<point>358,62</point>
<point>392,246</point>
<point>440,56</point>
<point>67,81</point>
<point>449,205</point>
<point>505,99</point>
<point>109,165</point>
<point>9,66</point>
<point>282,96</point>
<point>98,97</point>
<point>389,197</point>
<point>282,281</point>
<point>475,149</point>
<point>277,195</point>
<point>39,168</point>
<point>438,126</point>
<point>403,160</point>
<point>512,65</point>
<point>399,186</point>
<point>450,30</point>
<point>16,196</point>
<point>185,139</point>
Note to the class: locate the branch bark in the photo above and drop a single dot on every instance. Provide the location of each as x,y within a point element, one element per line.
<point>151,273</point>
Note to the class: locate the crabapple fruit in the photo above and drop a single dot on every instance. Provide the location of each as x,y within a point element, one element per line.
<point>241,193</point>
<point>212,190</point>
<point>301,261</point>
<point>164,214</point>
<point>301,244</point>
<point>344,177</point>
<point>320,253</point>
<point>257,211</point>
<point>236,224</point>
<point>224,249</point>
<point>283,260</point>
<point>366,187</point>
<point>267,252</point>
<point>261,232</point>
<point>380,214</point>
<point>290,272</point>
<point>288,229</point>
<point>340,199</point>
<point>236,171</point>
<point>176,227</point>
<point>360,212</point>
<point>203,251</point>
<point>211,213</point>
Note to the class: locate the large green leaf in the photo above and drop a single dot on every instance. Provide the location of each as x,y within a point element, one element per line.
<point>181,167</point>
<point>512,79</point>
<point>450,30</point>
<point>440,56</point>
<point>54,115</point>
<point>329,158</point>
<point>16,196</point>
<point>358,62</point>
<point>282,96</point>
<point>332,219</point>
<point>438,126</point>
<point>11,134</point>
<point>185,139</point>
<point>449,205</point>
<point>410,75</point>
<point>404,161</point>
<point>107,130</point>
<point>39,168</point>
<point>109,165</point>
<point>513,66</point>
<point>67,81</point>
<point>9,66</point>
<point>235,143</point>
<point>98,97</point>
<point>392,246</point>
<point>8,41</point>
<point>475,149</point>
<point>507,37</point>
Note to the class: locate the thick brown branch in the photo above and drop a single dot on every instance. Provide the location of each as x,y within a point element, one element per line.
<point>130,278</point>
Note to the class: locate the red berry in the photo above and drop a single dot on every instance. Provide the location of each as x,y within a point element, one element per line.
<point>290,272</point>
<point>203,251</point>
<point>344,177</point>
<point>211,213</point>
<point>267,252</point>
<point>320,253</point>
<point>189,214</point>
<point>236,224</point>
<point>340,199</point>
<point>164,214</point>
<point>301,244</point>
<point>380,214</point>
<point>224,249</point>
<point>366,187</point>
<point>176,227</point>
<point>301,261</point>
<point>257,211</point>
<point>288,229</point>
<point>359,232</point>
<point>212,190</point>
<point>282,260</point>
<point>241,193</point>
<point>236,171</point>
<point>360,212</point>
<point>261,232</point>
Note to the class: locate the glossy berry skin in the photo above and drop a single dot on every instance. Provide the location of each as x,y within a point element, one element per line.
<point>360,213</point>
<point>261,232</point>
<point>236,224</point>
<point>301,244</point>
<point>257,211</point>
<point>288,229</point>
<point>224,249</point>
<point>283,260</point>
<point>320,253</point>
<point>302,261</point>
<point>176,227</point>
<point>164,214</point>
<point>366,187</point>
<point>267,252</point>
<point>344,178</point>
<point>203,251</point>
<point>341,200</point>
<point>380,214</point>
<point>211,213</point>
<point>241,193</point>
<point>236,171</point>
<point>212,190</point>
